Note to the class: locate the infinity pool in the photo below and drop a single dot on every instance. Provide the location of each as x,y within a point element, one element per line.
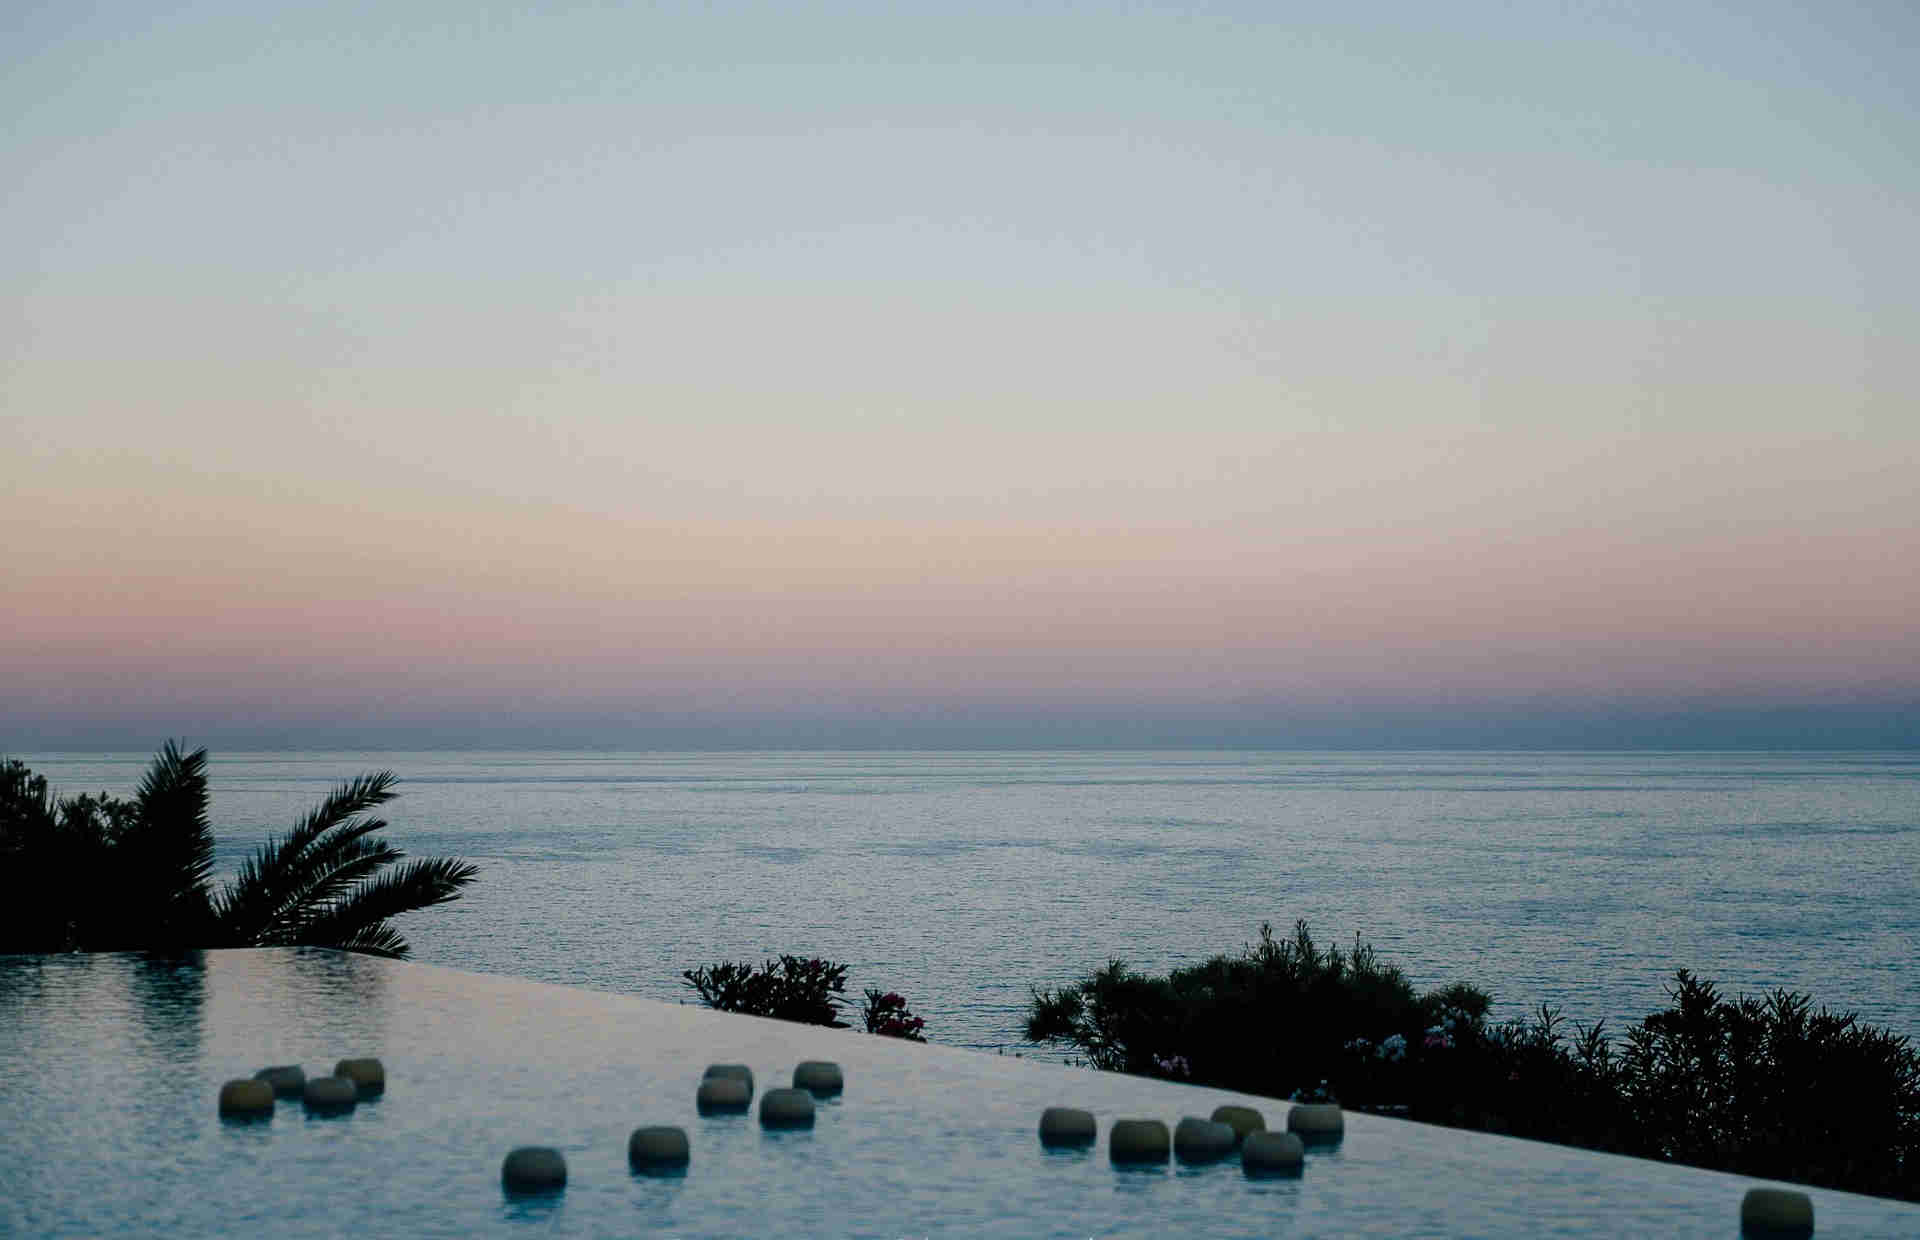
<point>110,1065</point>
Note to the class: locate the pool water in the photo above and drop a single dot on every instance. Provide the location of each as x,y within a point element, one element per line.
<point>110,1066</point>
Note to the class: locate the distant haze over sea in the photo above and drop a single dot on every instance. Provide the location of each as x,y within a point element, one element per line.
<point>1562,726</point>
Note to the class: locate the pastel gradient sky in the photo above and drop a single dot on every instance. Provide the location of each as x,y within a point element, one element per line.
<point>1267,374</point>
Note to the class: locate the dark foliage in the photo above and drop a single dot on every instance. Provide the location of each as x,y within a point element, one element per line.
<point>1764,1087</point>
<point>887,1014</point>
<point>802,989</point>
<point>792,988</point>
<point>1268,1021</point>
<point>88,873</point>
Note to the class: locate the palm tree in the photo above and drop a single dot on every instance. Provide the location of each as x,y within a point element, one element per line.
<point>107,874</point>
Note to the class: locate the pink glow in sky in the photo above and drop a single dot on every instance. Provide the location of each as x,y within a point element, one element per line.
<point>775,370</point>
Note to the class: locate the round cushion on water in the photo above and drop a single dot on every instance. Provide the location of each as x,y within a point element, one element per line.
<point>1272,1153</point>
<point>723,1095</point>
<point>786,1108</point>
<point>1067,1126</point>
<point>1776,1212</point>
<point>533,1169</point>
<point>818,1076</point>
<point>1242,1120</point>
<point>1317,1121</point>
<point>250,1097</point>
<point>731,1071</point>
<point>1197,1140</point>
<point>330,1093</point>
<point>287,1080</point>
<point>649,1148</point>
<point>1138,1140</point>
<point>367,1074</point>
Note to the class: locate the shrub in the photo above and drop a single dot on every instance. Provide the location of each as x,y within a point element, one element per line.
<point>887,1014</point>
<point>1769,1087</point>
<point>804,990</point>
<point>1270,1021</point>
<point>1764,1087</point>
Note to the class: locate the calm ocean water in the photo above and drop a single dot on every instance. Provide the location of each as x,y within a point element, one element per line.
<point>964,879</point>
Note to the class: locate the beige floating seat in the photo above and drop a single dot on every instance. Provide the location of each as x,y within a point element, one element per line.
<point>1197,1140</point>
<point>1317,1123</point>
<point>818,1076</point>
<point>732,1072</point>
<point>786,1108</point>
<point>248,1099</point>
<point>1776,1212</point>
<point>533,1169</point>
<point>1243,1120</point>
<point>723,1095</point>
<point>1138,1141</point>
<point>330,1094</point>
<point>1272,1153</point>
<point>369,1076</point>
<point>287,1080</point>
<point>1068,1127</point>
<point>658,1149</point>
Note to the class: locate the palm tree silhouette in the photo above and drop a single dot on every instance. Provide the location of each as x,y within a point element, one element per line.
<point>115,875</point>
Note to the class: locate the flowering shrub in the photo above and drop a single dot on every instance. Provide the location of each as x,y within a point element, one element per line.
<point>1174,1066</point>
<point>1319,1093</point>
<point>887,1015</point>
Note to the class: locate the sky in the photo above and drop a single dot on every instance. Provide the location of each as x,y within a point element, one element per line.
<point>796,375</point>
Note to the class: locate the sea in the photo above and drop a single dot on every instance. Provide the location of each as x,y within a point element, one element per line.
<point>964,880</point>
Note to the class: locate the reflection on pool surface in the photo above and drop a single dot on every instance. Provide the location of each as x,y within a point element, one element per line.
<point>110,1066</point>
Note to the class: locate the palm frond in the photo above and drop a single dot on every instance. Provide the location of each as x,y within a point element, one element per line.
<point>333,874</point>
<point>378,939</point>
<point>415,885</point>
<point>173,808</point>
<point>356,796</point>
<point>276,881</point>
<point>167,846</point>
<point>269,882</point>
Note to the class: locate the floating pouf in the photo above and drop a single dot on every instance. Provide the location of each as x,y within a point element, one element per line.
<point>732,1072</point>
<point>367,1074</point>
<point>723,1095</point>
<point>246,1099</point>
<point>330,1093</point>
<point>1317,1122</point>
<point>786,1108</point>
<point>1138,1141</point>
<point>1197,1140</point>
<point>1067,1126</point>
<point>534,1169</point>
<point>287,1080</point>
<point>1242,1120</point>
<point>1776,1212</point>
<point>657,1149</point>
<point>819,1077</point>
<point>1272,1153</point>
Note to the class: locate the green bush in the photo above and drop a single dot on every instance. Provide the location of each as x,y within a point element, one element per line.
<point>792,988</point>
<point>1270,1021</point>
<point>807,990</point>
<point>1764,1087</point>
